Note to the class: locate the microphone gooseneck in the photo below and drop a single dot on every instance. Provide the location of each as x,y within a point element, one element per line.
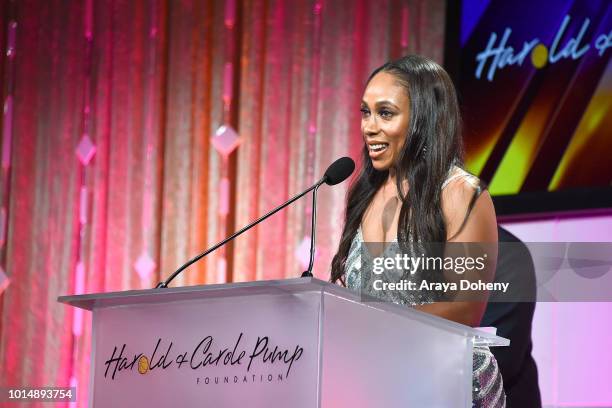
<point>336,173</point>
<point>313,230</point>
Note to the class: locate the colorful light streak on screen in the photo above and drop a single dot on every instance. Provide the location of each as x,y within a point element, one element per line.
<point>535,87</point>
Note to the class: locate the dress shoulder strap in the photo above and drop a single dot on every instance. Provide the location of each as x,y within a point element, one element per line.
<point>458,173</point>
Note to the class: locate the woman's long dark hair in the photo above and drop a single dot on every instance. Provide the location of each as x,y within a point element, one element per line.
<point>433,146</point>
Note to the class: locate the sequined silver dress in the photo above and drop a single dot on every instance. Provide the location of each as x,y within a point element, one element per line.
<point>488,391</point>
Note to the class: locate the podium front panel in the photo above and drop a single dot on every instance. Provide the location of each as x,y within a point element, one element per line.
<point>251,350</point>
<point>379,358</point>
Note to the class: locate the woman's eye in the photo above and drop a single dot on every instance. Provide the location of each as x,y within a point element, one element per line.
<point>364,112</point>
<point>385,114</point>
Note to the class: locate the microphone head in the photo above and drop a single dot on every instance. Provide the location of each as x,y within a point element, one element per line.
<point>339,171</point>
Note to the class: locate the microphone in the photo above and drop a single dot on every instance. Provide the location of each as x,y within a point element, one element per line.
<point>336,173</point>
<point>339,171</point>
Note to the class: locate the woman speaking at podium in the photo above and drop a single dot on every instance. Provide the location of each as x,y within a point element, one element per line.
<point>412,189</point>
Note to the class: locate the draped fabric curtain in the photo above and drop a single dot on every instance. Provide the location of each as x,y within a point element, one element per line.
<point>137,133</point>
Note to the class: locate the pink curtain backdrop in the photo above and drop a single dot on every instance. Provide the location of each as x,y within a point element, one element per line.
<point>114,170</point>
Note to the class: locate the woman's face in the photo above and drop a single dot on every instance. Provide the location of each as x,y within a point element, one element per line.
<point>385,116</point>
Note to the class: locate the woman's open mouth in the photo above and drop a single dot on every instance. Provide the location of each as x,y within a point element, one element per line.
<point>376,149</point>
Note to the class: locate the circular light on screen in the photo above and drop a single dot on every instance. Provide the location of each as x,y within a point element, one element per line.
<point>539,56</point>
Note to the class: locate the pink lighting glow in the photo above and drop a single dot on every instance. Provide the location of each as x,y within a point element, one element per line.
<point>144,266</point>
<point>571,341</point>
<point>85,150</point>
<point>225,140</point>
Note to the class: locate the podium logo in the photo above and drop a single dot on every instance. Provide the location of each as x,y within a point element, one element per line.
<point>207,355</point>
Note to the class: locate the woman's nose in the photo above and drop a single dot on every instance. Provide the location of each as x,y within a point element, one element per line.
<point>370,126</point>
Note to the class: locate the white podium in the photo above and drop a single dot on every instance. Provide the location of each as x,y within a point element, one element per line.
<point>283,343</point>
